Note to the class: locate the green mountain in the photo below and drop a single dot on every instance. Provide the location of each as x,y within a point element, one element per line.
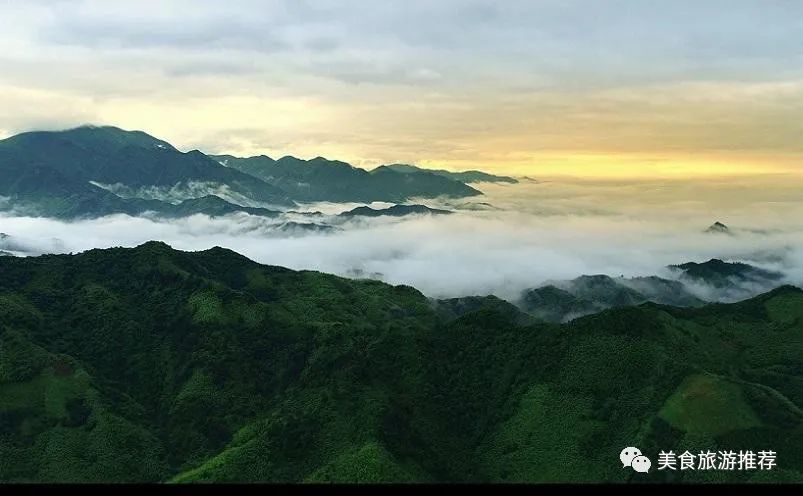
<point>454,308</point>
<point>41,191</point>
<point>150,364</point>
<point>560,301</point>
<point>665,291</point>
<point>320,179</point>
<point>98,170</point>
<point>471,176</point>
<point>722,274</point>
<point>552,304</point>
<point>394,211</point>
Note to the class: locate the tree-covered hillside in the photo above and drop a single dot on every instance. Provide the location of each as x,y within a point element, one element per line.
<point>561,301</point>
<point>79,172</point>
<point>151,364</point>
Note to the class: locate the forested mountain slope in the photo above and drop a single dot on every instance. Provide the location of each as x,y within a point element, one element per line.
<point>151,364</point>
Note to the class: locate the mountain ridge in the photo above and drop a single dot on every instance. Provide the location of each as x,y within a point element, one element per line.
<point>468,176</point>
<point>394,211</point>
<point>321,179</point>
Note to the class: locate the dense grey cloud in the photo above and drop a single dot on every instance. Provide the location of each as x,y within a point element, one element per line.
<point>545,40</point>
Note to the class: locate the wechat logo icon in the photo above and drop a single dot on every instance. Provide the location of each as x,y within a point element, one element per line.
<point>632,457</point>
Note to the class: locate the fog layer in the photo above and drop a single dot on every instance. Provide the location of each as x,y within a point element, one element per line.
<point>516,237</point>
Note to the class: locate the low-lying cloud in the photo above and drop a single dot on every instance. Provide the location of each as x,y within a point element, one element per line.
<point>179,192</point>
<point>529,234</point>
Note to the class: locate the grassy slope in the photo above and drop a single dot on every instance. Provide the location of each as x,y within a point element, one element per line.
<point>153,364</point>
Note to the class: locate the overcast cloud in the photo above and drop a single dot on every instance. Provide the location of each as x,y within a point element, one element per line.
<point>510,86</point>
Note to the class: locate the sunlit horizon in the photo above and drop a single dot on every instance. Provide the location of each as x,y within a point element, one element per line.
<point>598,89</point>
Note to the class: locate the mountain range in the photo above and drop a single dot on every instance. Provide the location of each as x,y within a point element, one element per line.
<point>394,211</point>
<point>149,364</point>
<point>320,179</point>
<point>718,273</point>
<point>93,171</point>
<point>561,301</point>
<point>100,170</point>
<point>471,176</point>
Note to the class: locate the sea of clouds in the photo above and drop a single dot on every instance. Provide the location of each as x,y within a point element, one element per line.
<point>513,238</point>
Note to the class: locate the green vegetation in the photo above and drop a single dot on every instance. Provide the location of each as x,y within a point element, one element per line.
<point>718,273</point>
<point>705,404</point>
<point>561,301</point>
<point>151,364</point>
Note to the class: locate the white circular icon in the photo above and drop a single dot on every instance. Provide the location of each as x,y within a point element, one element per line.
<point>628,454</point>
<point>641,464</point>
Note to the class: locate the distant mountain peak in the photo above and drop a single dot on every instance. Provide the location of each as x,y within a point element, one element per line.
<point>719,273</point>
<point>465,177</point>
<point>69,165</point>
<point>154,245</point>
<point>718,227</point>
<point>100,138</point>
<point>93,126</point>
<point>322,179</point>
<point>394,211</point>
<point>95,170</point>
<point>106,129</point>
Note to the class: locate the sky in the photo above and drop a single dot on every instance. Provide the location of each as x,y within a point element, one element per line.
<point>591,88</point>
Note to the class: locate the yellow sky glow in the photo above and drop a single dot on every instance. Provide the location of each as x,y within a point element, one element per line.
<point>596,142</point>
